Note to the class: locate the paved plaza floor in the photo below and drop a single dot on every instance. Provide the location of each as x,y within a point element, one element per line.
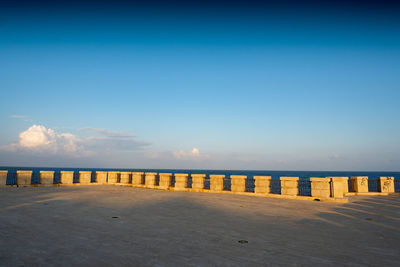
<point>125,226</point>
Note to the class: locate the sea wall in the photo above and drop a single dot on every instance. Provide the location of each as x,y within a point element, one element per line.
<point>314,188</point>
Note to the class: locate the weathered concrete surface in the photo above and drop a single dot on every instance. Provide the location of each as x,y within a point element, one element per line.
<point>74,226</point>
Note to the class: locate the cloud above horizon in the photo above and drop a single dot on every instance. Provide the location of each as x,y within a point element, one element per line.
<point>39,139</point>
<point>193,154</point>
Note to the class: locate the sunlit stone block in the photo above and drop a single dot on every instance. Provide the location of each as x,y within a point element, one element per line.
<point>181,180</point>
<point>67,177</point>
<point>339,186</point>
<point>3,178</point>
<point>85,177</point>
<point>320,187</point>
<point>150,179</point>
<point>238,183</point>
<point>217,182</point>
<point>46,177</point>
<point>386,184</point>
<point>289,186</point>
<point>360,184</point>
<point>113,177</point>
<point>262,184</point>
<point>198,181</point>
<point>165,180</point>
<point>101,177</point>
<point>24,178</point>
<point>125,178</point>
<point>137,178</point>
<point>345,184</point>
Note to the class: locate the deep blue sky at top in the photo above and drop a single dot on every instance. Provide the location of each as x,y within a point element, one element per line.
<point>309,84</point>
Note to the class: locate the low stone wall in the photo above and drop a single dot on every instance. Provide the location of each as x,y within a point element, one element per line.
<point>3,178</point>
<point>322,188</point>
<point>125,178</point>
<point>47,177</point>
<point>113,177</point>
<point>262,184</point>
<point>67,177</point>
<point>165,181</point>
<point>198,182</point>
<point>24,178</point>
<point>150,179</point>
<point>181,180</point>
<point>137,178</point>
<point>101,177</point>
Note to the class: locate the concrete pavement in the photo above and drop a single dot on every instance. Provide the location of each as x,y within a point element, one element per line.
<point>125,226</point>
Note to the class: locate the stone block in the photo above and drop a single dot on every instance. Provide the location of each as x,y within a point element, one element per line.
<point>345,184</point>
<point>198,181</point>
<point>217,182</point>
<point>386,184</point>
<point>150,179</point>
<point>320,187</point>
<point>24,178</point>
<point>125,177</point>
<point>46,177</point>
<point>238,183</point>
<point>360,184</point>
<point>181,180</point>
<point>165,180</point>
<point>289,186</point>
<point>3,178</point>
<point>67,177</point>
<point>339,186</point>
<point>101,177</point>
<point>113,177</point>
<point>85,177</point>
<point>137,178</point>
<point>262,184</point>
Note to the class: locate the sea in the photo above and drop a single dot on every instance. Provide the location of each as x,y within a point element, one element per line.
<point>304,176</point>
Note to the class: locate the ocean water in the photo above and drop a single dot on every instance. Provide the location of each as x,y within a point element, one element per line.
<point>304,176</point>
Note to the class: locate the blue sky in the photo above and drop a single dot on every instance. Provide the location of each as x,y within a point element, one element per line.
<point>227,86</point>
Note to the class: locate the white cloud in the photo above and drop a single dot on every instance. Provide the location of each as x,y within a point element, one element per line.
<point>38,138</point>
<point>193,154</point>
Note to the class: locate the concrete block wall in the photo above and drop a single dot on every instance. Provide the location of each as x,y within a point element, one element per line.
<point>289,186</point>
<point>24,178</point>
<point>101,177</point>
<point>47,177</point>
<point>262,184</point>
<point>321,188</point>
<point>165,181</point>
<point>198,182</point>
<point>339,186</point>
<point>85,177</point>
<point>360,184</point>
<point>67,177</point>
<point>3,178</point>
<point>238,183</point>
<point>137,178</point>
<point>386,184</point>
<point>217,183</point>
<point>150,179</point>
<point>181,180</point>
<point>113,177</point>
<point>125,177</point>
